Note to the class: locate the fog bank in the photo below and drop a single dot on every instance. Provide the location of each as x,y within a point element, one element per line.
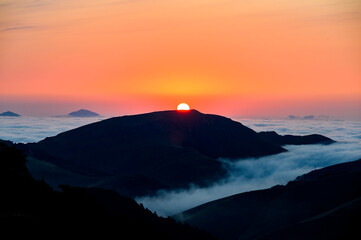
<point>253,174</point>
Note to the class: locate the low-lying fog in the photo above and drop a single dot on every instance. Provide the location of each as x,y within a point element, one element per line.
<point>244,175</point>
<point>252,174</point>
<point>34,129</point>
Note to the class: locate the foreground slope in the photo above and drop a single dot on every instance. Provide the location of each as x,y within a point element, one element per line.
<point>31,208</point>
<point>324,204</point>
<point>139,154</point>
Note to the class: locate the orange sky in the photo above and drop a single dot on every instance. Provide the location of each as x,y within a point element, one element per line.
<point>239,58</point>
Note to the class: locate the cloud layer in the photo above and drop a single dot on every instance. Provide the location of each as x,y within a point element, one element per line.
<point>252,174</point>
<point>34,129</point>
<point>244,175</point>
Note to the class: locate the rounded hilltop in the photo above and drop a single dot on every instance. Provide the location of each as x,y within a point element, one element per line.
<point>9,114</point>
<point>83,113</point>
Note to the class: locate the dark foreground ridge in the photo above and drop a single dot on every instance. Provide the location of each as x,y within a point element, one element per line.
<point>323,204</point>
<point>9,114</point>
<point>30,208</point>
<point>140,154</point>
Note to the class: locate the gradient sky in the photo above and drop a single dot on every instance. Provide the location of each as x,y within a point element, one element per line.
<point>264,58</point>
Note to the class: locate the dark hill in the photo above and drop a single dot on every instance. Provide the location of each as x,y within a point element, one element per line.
<point>168,149</point>
<point>83,113</point>
<point>295,140</point>
<point>9,114</point>
<point>30,208</point>
<point>324,204</point>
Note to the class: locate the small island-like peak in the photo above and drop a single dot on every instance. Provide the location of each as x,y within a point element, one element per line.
<point>83,113</point>
<point>9,114</point>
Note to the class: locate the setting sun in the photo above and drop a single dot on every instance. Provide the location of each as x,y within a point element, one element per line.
<point>183,107</point>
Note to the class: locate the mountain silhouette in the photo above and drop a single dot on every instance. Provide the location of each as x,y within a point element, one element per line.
<point>323,204</point>
<point>272,136</point>
<point>83,113</point>
<point>139,154</point>
<point>9,114</point>
<point>31,208</point>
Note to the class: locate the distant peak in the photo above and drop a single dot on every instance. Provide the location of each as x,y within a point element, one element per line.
<point>9,114</point>
<point>83,113</point>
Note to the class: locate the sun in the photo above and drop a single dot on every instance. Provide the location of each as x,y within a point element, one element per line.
<point>183,107</point>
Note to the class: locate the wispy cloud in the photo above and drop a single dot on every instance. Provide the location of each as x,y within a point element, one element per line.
<point>17,28</point>
<point>2,5</point>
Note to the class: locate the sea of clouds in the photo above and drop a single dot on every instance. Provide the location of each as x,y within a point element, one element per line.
<point>244,174</point>
<point>34,129</point>
<point>253,174</point>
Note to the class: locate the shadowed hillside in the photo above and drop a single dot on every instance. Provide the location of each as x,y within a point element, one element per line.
<point>31,208</point>
<point>137,155</point>
<point>295,140</point>
<point>323,204</point>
